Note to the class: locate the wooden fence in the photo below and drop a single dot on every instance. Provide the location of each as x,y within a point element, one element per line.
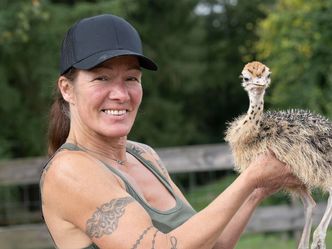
<point>177,160</point>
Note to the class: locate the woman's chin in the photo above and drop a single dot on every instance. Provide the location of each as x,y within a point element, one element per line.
<point>116,133</point>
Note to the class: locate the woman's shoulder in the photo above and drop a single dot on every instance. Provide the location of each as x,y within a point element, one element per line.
<point>141,148</point>
<point>74,184</point>
<point>73,170</point>
<point>66,163</point>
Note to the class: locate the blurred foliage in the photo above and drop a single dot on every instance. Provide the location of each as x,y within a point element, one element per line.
<point>200,47</point>
<point>229,43</point>
<point>21,99</point>
<point>202,195</point>
<point>173,36</point>
<point>296,43</point>
<point>30,36</point>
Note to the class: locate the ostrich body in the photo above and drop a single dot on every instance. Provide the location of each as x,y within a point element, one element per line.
<point>299,138</point>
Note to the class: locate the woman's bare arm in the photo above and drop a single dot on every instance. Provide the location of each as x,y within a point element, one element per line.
<point>232,232</point>
<point>92,199</point>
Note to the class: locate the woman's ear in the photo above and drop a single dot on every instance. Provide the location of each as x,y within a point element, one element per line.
<point>66,88</point>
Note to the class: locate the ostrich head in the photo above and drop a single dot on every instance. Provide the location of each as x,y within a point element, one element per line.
<point>255,77</point>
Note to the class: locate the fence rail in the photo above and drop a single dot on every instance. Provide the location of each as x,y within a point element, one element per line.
<point>177,160</point>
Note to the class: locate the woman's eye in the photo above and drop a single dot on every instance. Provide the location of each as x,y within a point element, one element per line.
<point>101,78</point>
<point>131,78</point>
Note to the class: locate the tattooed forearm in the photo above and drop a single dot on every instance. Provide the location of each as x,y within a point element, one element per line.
<point>174,242</point>
<point>154,239</point>
<point>138,241</point>
<point>106,218</point>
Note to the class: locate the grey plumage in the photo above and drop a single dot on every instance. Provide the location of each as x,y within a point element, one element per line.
<point>299,138</point>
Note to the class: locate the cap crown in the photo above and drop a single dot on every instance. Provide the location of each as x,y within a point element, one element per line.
<point>93,40</point>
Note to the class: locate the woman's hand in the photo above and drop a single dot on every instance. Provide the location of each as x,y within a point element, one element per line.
<point>271,175</point>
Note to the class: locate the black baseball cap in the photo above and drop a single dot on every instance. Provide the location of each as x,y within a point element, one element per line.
<point>93,40</point>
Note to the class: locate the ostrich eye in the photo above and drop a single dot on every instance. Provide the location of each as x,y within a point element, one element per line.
<point>244,78</point>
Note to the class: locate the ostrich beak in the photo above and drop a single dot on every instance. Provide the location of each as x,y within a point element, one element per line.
<point>259,85</point>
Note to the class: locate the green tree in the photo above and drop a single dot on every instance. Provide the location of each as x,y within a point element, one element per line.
<point>173,37</point>
<point>229,43</point>
<point>187,101</point>
<point>295,42</point>
<point>30,38</point>
<point>20,93</point>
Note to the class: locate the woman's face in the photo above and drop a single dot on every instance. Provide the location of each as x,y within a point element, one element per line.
<point>105,99</point>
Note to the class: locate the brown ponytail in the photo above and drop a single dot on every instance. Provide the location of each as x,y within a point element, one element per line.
<point>59,118</point>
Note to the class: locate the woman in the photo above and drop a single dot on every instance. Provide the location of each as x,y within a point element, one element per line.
<point>100,190</point>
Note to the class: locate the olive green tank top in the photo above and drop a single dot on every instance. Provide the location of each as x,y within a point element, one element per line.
<point>164,221</point>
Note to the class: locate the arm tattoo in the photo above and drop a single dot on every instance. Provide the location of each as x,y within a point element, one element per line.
<point>174,242</point>
<point>137,150</point>
<point>147,148</point>
<point>154,239</point>
<point>153,153</point>
<point>106,218</point>
<point>163,168</point>
<point>141,237</point>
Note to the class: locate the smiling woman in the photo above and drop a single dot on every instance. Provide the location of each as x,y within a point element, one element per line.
<point>100,190</point>
<point>104,99</point>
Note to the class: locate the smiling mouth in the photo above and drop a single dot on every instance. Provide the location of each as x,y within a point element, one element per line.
<point>114,112</point>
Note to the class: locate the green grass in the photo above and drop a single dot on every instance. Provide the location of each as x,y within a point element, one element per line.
<point>273,241</point>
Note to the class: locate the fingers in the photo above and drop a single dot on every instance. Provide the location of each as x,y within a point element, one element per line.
<point>273,173</point>
<point>293,182</point>
<point>271,152</point>
<point>285,175</point>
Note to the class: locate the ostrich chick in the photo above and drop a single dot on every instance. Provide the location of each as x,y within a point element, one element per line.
<point>301,139</point>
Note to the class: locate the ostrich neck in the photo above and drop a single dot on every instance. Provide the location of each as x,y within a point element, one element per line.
<point>256,107</point>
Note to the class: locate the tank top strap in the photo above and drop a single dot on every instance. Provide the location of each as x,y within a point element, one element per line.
<point>64,146</point>
<point>131,150</point>
<point>43,168</point>
<point>92,246</point>
<point>166,220</point>
<point>74,147</point>
<point>137,154</point>
<point>70,146</point>
<point>148,164</point>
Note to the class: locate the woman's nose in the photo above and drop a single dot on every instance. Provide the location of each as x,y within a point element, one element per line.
<point>118,91</point>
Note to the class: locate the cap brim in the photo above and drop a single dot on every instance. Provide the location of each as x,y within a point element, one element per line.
<point>96,59</point>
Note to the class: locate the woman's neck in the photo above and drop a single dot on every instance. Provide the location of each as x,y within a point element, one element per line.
<point>106,148</point>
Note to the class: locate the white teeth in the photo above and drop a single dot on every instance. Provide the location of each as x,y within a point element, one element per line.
<point>115,112</point>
